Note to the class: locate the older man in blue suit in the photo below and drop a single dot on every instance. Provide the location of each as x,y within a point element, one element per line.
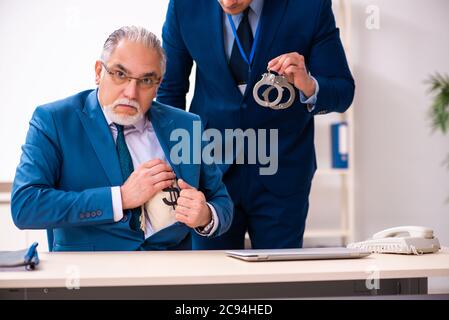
<point>233,42</point>
<point>93,160</point>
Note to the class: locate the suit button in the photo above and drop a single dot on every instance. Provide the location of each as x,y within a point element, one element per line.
<point>93,214</point>
<point>99,213</point>
<point>81,215</point>
<point>87,215</point>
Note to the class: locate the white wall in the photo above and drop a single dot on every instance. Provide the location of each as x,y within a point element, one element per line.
<point>400,179</point>
<point>48,50</point>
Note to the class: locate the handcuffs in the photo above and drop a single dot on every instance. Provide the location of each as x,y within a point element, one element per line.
<point>274,82</point>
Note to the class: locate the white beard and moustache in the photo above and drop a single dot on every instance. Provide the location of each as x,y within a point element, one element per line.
<point>124,119</point>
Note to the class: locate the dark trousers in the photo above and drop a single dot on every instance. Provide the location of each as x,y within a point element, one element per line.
<point>272,221</point>
<point>185,244</point>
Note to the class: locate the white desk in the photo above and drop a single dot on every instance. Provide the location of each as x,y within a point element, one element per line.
<point>211,274</point>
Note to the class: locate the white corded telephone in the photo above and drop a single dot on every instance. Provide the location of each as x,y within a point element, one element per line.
<point>404,240</point>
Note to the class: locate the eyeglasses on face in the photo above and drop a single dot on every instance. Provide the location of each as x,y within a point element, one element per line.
<point>120,77</point>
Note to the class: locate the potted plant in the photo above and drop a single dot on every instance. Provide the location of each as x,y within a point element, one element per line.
<point>439,111</point>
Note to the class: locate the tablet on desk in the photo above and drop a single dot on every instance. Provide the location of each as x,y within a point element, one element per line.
<point>298,254</point>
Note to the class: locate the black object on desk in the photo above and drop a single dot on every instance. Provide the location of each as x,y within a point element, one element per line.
<point>28,258</point>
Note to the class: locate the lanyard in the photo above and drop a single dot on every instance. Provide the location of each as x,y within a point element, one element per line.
<point>249,60</point>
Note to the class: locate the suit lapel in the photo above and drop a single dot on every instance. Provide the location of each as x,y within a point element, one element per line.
<point>272,14</point>
<point>101,138</point>
<point>163,127</point>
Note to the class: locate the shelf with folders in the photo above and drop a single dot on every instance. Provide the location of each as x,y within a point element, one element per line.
<point>332,198</point>
<point>331,212</point>
<point>325,233</point>
<point>331,171</point>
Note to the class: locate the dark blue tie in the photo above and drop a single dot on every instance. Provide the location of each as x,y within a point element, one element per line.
<point>238,65</point>
<point>126,166</point>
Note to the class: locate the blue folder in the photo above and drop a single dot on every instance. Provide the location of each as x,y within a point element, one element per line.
<point>340,147</point>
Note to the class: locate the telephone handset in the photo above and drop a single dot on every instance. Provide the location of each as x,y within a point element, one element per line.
<point>410,231</point>
<point>403,240</point>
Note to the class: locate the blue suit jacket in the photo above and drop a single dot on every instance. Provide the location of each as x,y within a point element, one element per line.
<point>68,165</point>
<point>194,31</point>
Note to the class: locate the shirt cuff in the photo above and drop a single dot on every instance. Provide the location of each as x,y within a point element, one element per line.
<point>117,203</point>
<point>214,220</point>
<point>311,102</point>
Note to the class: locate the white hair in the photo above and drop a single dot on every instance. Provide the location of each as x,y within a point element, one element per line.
<point>134,34</point>
<point>123,119</point>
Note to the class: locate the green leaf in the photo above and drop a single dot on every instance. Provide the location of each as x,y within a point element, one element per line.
<point>439,111</point>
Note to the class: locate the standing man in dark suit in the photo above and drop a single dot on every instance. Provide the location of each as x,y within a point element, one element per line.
<point>233,42</point>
